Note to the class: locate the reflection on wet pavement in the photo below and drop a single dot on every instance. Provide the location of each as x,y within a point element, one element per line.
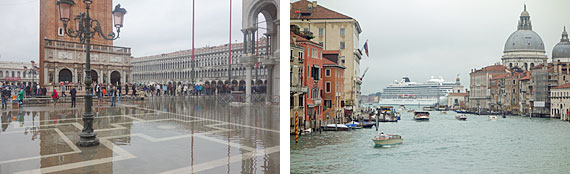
<point>160,135</point>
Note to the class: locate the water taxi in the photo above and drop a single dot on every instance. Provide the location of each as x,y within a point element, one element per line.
<point>421,115</point>
<point>492,117</point>
<point>461,117</point>
<point>387,140</point>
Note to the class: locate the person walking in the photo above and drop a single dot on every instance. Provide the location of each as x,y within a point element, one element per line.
<point>54,96</point>
<point>5,96</point>
<point>113,94</point>
<point>134,91</point>
<point>73,94</point>
<point>21,97</point>
<point>127,89</point>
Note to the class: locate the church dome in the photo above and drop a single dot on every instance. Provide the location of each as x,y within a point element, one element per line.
<point>524,40</point>
<point>562,49</point>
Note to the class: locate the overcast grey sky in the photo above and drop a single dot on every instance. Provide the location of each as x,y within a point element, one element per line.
<point>151,26</point>
<point>423,38</point>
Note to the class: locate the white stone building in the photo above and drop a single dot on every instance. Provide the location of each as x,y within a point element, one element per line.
<point>211,66</point>
<point>560,102</point>
<point>14,73</point>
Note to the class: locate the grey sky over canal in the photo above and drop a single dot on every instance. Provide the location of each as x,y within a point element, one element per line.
<point>423,38</point>
<point>151,26</point>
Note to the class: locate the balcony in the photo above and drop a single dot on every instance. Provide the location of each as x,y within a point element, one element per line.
<point>81,47</point>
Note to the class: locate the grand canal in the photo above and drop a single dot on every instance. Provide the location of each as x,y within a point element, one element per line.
<point>442,145</point>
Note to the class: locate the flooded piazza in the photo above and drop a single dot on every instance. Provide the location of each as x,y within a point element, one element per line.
<point>158,135</point>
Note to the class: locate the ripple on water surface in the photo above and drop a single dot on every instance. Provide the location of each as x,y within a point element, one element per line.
<point>442,145</point>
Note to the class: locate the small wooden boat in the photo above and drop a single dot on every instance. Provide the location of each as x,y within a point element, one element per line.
<point>461,117</point>
<point>492,117</point>
<point>421,116</point>
<point>387,140</point>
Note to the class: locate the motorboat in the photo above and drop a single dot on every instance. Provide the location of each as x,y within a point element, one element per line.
<point>428,108</point>
<point>387,140</point>
<point>387,114</point>
<point>461,111</point>
<point>353,125</point>
<point>336,127</point>
<point>492,117</point>
<point>461,117</point>
<point>421,116</point>
<point>443,112</point>
<point>411,110</point>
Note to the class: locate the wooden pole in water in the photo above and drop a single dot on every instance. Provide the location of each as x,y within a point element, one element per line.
<point>296,127</point>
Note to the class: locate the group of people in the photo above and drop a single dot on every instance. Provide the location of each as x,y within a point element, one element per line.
<point>9,93</point>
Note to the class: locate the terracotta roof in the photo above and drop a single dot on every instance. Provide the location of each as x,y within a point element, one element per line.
<point>298,38</point>
<point>499,76</point>
<point>492,68</point>
<point>329,62</point>
<point>567,85</point>
<point>301,10</point>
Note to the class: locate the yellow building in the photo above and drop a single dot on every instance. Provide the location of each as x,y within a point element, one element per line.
<point>335,31</point>
<point>297,90</point>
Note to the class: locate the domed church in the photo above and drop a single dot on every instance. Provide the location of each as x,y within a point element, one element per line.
<point>561,58</point>
<point>524,48</point>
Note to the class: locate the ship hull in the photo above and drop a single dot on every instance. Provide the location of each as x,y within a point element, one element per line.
<point>407,101</point>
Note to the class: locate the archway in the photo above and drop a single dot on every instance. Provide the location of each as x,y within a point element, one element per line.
<point>115,78</point>
<point>65,75</point>
<point>94,76</point>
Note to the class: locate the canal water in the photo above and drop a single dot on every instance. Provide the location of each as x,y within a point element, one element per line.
<point>441,145</point>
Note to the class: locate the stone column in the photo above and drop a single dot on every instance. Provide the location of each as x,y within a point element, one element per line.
<point>56,76</point>
<point>269,86</point>
<point>248,84</point>
<point>75,77</point>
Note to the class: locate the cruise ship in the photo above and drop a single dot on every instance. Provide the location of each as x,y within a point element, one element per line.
<point>406,92</point>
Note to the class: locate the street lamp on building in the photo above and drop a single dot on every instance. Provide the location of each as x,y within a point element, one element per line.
<point>85,29</point>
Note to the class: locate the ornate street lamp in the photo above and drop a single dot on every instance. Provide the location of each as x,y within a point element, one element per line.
<point>85,29</point>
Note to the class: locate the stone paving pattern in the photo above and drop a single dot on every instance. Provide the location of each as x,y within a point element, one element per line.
<point>160,135</point>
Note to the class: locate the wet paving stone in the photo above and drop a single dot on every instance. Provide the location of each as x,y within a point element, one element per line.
<point>159,135</point>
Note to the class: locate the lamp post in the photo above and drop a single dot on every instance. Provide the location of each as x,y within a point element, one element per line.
<point>85,29</point>
<point>32,71</point>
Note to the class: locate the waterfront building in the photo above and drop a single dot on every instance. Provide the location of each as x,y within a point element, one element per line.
<point>297,89</point>
<point>524,48</point>
<point>211,66</point>
<point>543,79</point>
<point>480,96</point>
<point>334,31</point>
<point>62,58</point>
<point>14,73</point>
<point>313,68</point>
<point>333,86</point>
<point>512,91</point>
<point>560,102</point>
<point>497,92</point>
<point>458,101</point>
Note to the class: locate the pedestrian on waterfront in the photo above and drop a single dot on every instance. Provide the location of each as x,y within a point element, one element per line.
<point>73,94</point>
<point>54,96</point>
<point>113,94</point>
